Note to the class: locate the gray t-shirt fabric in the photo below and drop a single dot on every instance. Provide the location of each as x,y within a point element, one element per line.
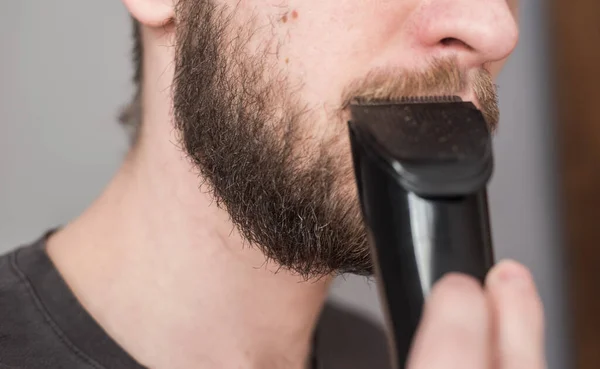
<point>43,326</point>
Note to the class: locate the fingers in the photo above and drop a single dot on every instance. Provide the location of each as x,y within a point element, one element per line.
<point>455,329</point>
<point>518,317</point>
<point>468,328</point>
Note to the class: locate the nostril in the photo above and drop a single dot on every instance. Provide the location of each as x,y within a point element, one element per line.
<point>448,41</point>
<point>454,43</point>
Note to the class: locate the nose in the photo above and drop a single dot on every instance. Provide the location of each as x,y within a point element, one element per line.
<point>476,32</point>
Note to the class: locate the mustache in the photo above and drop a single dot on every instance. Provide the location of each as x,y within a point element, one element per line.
<point>442,77</point>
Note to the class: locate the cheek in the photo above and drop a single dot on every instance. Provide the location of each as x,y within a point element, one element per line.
<point>325,44</point>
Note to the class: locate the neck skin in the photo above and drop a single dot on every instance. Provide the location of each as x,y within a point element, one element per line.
<point>164,271</point>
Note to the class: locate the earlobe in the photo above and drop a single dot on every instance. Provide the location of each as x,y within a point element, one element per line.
<point>151,13</point>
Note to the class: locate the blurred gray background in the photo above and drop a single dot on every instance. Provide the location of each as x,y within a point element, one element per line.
<point>65,71</point>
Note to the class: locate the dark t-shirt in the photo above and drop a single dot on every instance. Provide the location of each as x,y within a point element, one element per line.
<point>43,326</point>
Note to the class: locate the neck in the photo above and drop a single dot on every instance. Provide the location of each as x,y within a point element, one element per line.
<point>165,273</point>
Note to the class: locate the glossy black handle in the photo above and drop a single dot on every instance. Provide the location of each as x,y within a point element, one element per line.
<point>415,241</point>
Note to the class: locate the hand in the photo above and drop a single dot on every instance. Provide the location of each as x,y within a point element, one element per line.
<point>466,326</point>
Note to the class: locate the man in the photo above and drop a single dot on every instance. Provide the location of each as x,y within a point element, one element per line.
<point>215,243</point>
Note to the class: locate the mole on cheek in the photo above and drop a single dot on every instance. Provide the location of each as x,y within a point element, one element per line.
<point>285,17</point>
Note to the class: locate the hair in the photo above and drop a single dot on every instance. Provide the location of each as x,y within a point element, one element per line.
<point>131,115</point>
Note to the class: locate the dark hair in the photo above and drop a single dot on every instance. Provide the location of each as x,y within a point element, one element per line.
<point>131,116</point>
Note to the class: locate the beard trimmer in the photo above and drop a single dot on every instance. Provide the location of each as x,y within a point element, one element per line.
<point>422,166</point>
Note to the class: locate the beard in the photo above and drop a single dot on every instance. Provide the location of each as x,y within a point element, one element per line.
<point>289,192</point>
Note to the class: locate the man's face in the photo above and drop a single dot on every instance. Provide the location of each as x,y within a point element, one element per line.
<point>261,88</point>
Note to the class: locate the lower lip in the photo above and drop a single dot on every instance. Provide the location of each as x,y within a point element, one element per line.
<point>471,98</point>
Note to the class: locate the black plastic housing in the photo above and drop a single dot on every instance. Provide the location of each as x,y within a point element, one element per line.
<point>421,172</point>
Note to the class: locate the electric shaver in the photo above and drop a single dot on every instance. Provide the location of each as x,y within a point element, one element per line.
<point>422,166</point>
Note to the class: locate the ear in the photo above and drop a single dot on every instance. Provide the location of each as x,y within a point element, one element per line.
<point>151,13</point>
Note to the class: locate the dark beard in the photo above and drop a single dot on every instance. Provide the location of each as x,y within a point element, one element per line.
<point>281,192</point>
<point>288,194</point>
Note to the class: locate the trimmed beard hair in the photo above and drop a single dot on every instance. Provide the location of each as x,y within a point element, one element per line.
<point>288,193</point>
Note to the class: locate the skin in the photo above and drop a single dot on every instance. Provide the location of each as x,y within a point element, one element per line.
<point>499,326</point>
<point>165,271</point>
